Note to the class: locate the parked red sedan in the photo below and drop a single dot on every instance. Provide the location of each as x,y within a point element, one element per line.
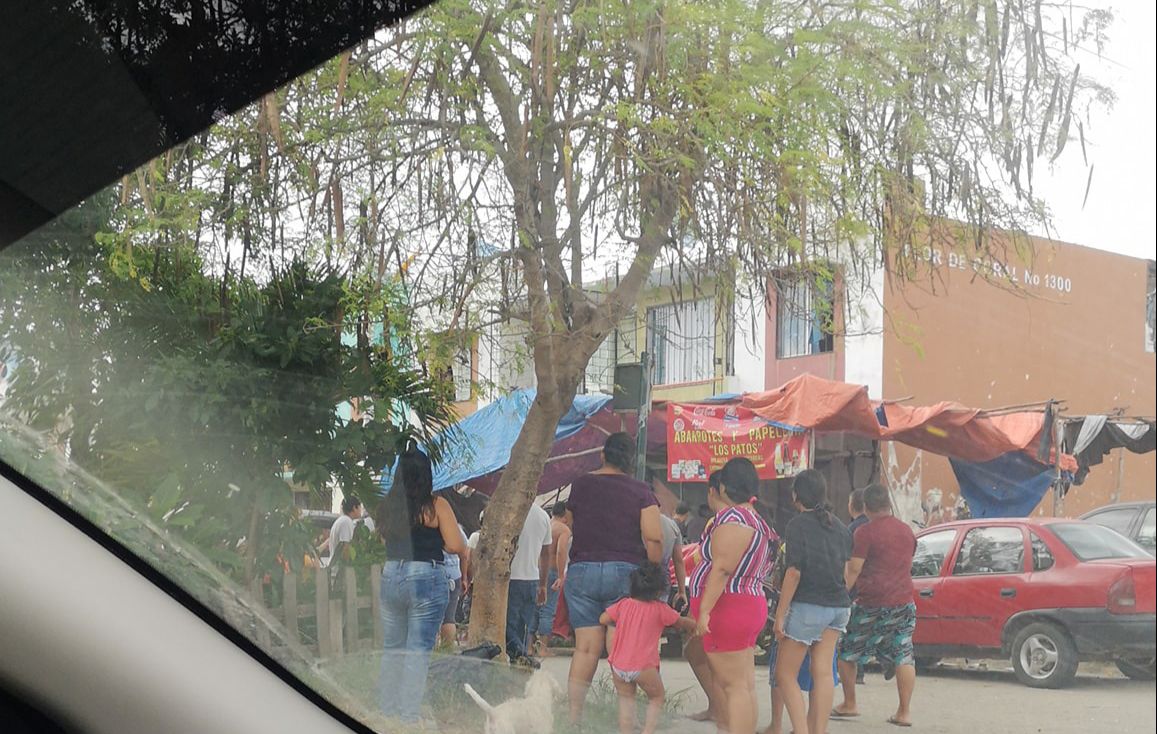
<point>1047,593</point>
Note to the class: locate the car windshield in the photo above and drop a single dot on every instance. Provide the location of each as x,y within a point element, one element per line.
<point>398,364</point>
<point>1091,542</point>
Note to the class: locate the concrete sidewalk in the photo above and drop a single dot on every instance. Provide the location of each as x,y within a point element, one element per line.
<point>951,699</point>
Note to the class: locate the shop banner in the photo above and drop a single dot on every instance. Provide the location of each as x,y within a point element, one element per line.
<point>702,438</point>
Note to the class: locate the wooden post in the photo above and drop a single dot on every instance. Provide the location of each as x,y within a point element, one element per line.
<point>376,603</point>
<point>350,580</point>
<point>321,598</point>
<point>289,603</point>
<point>335,627</point>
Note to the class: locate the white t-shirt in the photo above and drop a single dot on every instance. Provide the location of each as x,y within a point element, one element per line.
<point>342,531</point>
<point>535,534</point>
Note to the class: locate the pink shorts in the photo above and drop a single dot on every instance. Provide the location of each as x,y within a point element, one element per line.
<point>736,622</point>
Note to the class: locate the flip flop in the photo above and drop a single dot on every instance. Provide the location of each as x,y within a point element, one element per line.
<point>896,722</point>
<point>837,714</point>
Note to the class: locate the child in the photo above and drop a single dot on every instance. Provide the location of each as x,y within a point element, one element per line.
<point>639,621</point>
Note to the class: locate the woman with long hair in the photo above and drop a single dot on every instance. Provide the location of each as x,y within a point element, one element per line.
<point>727,599</point>
<point>418,529</point>
<point>615,527</point>
<point>814,603</point>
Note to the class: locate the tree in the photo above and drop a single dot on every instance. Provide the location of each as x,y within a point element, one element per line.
<point>734,136</point>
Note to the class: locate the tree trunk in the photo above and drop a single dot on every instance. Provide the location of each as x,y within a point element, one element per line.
<point>508,509</point>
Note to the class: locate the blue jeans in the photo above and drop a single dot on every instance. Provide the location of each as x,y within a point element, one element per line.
<point>592,587</point>
<point>806,623</point>
<point>414,597</point>
<point>520,611</point>
<point>543,619</point>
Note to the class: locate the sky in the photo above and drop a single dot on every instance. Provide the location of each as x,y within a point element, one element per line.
<point>1119,215</point>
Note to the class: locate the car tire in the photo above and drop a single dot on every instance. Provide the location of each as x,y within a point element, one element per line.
<point>924,664</point>
<point>1138,669</point>
<point>1043,656</point>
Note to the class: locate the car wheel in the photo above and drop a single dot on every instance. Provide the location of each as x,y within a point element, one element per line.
<point>1043,656</point>
<point>1138,669</point>
<point>926,663</point>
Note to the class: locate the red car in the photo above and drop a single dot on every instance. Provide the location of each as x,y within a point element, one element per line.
<point>1046,592</point>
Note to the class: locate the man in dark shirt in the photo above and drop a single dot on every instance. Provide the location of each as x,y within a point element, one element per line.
<point>883,613</point>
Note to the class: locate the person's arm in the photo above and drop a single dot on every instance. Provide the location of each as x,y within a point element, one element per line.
<point>852,571</point>
<point>543,571</point>
<point>686,625</point>
<point>680,571</point>
<point>786,594</point>
<point>605,620</point>
<point>562,559</point>
<point>448,526</point>
<point>728,544</point>
<point>861,542</point>
<point>651,525</point>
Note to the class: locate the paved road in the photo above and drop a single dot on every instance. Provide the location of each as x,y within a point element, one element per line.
<point>955,700</point>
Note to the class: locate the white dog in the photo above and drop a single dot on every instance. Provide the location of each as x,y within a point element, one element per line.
<point>532,714</point>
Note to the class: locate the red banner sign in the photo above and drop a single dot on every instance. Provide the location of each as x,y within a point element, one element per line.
<point>702,438</point>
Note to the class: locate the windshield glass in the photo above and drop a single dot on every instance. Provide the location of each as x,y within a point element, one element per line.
<point>445,360</point>
<point>1090,542</point>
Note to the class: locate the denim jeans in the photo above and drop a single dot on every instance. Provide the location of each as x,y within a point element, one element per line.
<point>543,618</point>
<point>520,610</point>
<point>592,587</point>
<point>414,597</point>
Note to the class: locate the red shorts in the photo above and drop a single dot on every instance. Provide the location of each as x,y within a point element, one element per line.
<point>736,622</point>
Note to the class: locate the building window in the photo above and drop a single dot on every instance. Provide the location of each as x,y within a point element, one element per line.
<point>1149,294</point>
<point>803,317</point>
<point>619,347</point>
<point>681,341</point>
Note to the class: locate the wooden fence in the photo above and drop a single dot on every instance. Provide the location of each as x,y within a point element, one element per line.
<point>335,621</point>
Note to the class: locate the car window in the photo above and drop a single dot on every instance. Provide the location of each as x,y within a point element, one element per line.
<point>1092,542</point>
<point>991,551</point>
<point>1119,519</point>
<point>1147,535</point>
<point>931,550</point>
<point>1042,557</point>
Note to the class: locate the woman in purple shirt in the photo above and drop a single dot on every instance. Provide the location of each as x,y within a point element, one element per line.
<point>615,526</point>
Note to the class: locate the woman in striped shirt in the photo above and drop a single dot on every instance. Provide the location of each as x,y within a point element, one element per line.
<point>727,599</point>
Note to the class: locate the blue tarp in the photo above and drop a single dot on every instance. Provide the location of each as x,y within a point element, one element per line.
<point>481,443</point>
<point>1011,485</point>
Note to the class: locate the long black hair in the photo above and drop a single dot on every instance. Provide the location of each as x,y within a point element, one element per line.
<point>411,498</point>
<point>810,489</point>
<point>619,452</point>
<point>739,480</point>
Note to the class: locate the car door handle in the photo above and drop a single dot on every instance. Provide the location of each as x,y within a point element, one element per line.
<point>1008,593</point>
<point>925,593</point>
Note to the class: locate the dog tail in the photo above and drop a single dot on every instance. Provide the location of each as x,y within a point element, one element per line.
<point>478,699</point>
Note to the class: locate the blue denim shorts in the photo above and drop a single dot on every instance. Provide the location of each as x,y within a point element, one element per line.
<point>806,623</point>
<point>592,587</point>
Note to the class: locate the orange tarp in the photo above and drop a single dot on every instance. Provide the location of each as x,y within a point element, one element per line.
<point>946,428</point>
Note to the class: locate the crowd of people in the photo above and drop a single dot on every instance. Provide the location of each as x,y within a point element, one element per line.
<point>609,569</point>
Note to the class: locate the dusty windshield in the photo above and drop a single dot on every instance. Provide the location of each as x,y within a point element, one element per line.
<point>609,356</point>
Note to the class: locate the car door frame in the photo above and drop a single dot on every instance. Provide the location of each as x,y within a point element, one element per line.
<point>980,614</point>
<point>924,588</point>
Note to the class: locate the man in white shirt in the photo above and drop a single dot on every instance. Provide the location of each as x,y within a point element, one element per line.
<point>528,574</point>
<point>342,531</point>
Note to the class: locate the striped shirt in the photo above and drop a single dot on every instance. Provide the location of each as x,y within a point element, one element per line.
<point>754,565</point>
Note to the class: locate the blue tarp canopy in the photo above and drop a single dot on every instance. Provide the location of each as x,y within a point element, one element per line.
<point>1010,485</point>
<point>480,443</point>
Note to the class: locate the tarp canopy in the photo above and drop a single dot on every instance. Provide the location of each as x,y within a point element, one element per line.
<point>478,447</point>
<point>1007,486</point>
<point>946,428</point>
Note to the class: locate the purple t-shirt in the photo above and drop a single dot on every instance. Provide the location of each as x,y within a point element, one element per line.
<point>606,510</point>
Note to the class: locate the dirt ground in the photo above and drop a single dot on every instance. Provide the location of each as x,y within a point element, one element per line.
<point>955,699</point>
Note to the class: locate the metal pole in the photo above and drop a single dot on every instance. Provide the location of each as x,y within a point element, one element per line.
<point>644,413</point>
